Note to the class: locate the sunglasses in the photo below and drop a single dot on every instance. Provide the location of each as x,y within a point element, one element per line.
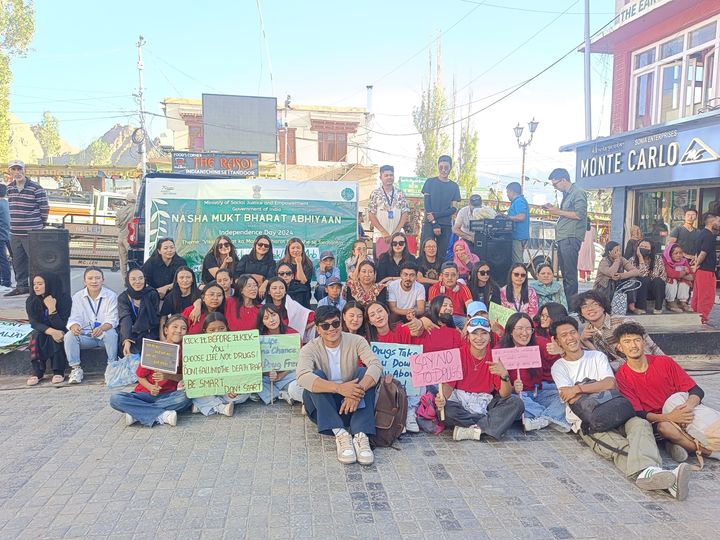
<point>263,245</point>
<point>483,272</point>
<point>224,244</point>
<point>519,274</point>
<point>327,325</point>
<point>285,274</point>
<point>399,243</point>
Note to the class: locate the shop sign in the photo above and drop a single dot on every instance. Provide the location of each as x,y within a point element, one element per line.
<point>213,164</point>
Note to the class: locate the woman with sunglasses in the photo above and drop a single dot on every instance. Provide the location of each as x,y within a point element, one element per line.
<point>159,270</point>
<point>269,323</point>
<point>353,318</point>
<point>212,299</point>
<point>542,407</point>
<point>259,263</point>
<point>222,255</point>
<point>547,288</point>
<point>241,313</point>
<point>429,264</point>
<point>138,313</point>
<point>223,405</point>
<point>482,285</point>
<point>303,268</point>
<point>156,398</point>
<point>482,401</point>
<point>362,286</point>
<point>517,295</point>
<point>181,296</point>
<point>295,289</point>
<point>388,267</point>
<point>294,315</point>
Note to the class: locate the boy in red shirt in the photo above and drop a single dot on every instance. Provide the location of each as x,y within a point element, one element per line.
<point>661,392</point>
<point>457,292</point>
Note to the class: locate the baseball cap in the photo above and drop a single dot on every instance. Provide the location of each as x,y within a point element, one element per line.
<point>476,200</point>
<point>16,163</point>
<point>478,323</point>
<point>448,264</point>
<point>333,281</point>
<point>476,307</point>
<point>326,255</point>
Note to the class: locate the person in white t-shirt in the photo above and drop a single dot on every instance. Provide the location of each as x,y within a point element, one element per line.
<point>632,448</point>
<point>406,297</point>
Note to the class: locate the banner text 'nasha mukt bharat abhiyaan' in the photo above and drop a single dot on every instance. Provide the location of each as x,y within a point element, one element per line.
<point>195,211</point>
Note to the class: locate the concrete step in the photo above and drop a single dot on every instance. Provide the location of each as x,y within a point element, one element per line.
<point>18,363</point>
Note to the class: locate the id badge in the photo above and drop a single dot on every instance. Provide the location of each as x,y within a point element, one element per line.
<point>390,214</point>
<point>96,325</point>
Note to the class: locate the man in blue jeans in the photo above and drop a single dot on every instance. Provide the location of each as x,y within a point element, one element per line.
<point>5,283</point>
<point>338,395</point>
<point>570,227</point>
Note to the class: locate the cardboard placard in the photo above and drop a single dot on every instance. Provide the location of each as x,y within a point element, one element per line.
<point>436,367</point>
<point>499,314</point>
<point>518,357</point>
<point>395,359</point>
<point>222,363</point>
<point>280,352</point>
<point>160,356</point>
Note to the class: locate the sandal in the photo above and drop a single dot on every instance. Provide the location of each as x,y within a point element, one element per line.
<point>32,381</point>
<point>57,379</point>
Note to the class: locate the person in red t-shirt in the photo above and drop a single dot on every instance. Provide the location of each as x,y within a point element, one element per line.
<point>156,398</point>
<point>542,405</point>
<point>269,323</point>
<point>482,401</point>
<point>442,335</point>
<point>242,308</point>
<point>457,292</point>
<point>379,328</point>
<point>662,393</point>
<point>211,299</point>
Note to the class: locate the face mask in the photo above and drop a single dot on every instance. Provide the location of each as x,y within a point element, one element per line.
<point>644,252</point>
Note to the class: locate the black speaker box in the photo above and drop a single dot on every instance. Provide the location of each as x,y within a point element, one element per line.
<point>49,251</point>
<point>497,252</point>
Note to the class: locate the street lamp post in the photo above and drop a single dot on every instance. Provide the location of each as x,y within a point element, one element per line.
<point>532,126</point>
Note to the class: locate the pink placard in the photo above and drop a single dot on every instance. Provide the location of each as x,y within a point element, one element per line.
<point>436,367</point>
<point>518,357</point>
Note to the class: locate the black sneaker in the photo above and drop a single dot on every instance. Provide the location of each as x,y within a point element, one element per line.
<point>17,292</point>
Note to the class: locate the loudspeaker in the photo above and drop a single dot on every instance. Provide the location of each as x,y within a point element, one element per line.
<point>49,251</point>
<point>497,252</point>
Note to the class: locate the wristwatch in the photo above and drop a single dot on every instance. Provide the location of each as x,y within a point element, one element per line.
<point>505,378</point>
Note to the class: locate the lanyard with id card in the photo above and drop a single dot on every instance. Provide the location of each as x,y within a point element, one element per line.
<point>389,202</point>
<point>96,311</point>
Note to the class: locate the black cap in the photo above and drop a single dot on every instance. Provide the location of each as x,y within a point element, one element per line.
<point>448,264</point>
<point>475,200</point>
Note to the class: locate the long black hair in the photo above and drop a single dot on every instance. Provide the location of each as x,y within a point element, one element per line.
<point>433,312</point>
<point>474,284</point>
<point>215,316</point>
<point>238,286</point>
<point>215,249</point>
<point>348,306</point>
<point>269,300</point>
<point>253,253</point>
<point>555,311</point>
<point>159,243</point>
<point>371,331</point>
<point>506,341</point>
<point>510,290</point>
<point>203,307</point>
<point>261,314</point>
<point>404,255</point>
<point>175,295</point>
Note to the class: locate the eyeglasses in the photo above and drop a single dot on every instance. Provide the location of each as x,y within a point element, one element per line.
<point>263,245</point>
<point>519,274</point>
<point>285,274</point>
<point>327,325</point>
<point>223,244</point>
<point>398,243</point>
<point>523,329</point>
<point>483,272</point>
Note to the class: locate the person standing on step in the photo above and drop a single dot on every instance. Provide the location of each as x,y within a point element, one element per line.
<point>441,198</point>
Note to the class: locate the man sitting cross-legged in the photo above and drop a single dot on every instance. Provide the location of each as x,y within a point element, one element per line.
<point>338,395</point>
<point>632,446</point>
<point>664,394</point>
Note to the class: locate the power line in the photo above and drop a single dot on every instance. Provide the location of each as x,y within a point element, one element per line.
<point>530,10</point>
<point>202,83</point>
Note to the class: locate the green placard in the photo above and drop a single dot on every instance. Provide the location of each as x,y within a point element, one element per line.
<point>222,363</point>
<point>499,313</point>
<point>280,353</point>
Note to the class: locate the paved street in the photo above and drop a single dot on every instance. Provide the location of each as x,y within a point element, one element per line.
<point>71,469</point>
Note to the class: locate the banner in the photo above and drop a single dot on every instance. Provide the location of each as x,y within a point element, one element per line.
<point>12,333</point>
<point>160,356</point>
<point>280,353</point>
<point>214,164</point>
<point>194,212</point>
<point>395,360</point>
<point>222,363</point>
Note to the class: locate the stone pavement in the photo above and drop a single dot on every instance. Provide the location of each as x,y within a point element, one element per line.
<point>70,468</point>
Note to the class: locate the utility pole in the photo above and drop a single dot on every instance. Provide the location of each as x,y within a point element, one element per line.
<point>142,143</point>
<point>586,58</point>
<point>285,111</point>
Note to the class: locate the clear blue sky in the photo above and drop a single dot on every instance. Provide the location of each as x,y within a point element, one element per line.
<point>82,66</point>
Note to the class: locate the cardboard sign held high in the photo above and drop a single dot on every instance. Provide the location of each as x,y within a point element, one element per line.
<point>436,367</point>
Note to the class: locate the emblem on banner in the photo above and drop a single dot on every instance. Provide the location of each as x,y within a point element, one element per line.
<point>698,152</point>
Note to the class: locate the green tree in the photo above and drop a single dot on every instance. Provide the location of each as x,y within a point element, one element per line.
<point>48,135</point>
<point>17,27</point>
<point>99,153</point>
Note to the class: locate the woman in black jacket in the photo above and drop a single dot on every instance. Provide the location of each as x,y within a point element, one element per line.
<point>48,310</point>
<point>259,263</point>
<point>159,270</point>
<point>138,313</point>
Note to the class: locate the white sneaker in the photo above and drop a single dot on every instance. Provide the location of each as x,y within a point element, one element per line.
<point>363,451</point>
<point>654,478</point>
<point>345,448</point>
<point>76,375</point>
<point>471,433</point>
<point>194,409</point>
<point>411,424</point>
<point>226,410</point>
<point>677,452</point>
<point>129,420</point>
<point>286,397</point>
<point>302,410</point>
<point>4,289</point>
<point>681,486</point>
<point>531,424</point>
<point>254,397</point>
<point>168,417</point>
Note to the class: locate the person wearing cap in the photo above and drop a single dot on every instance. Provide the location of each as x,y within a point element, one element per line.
<point>388,210</point>
<point>123,216</point>
<point>441,198</point>
<point>29,209</point>
<point>482,401</point>
<point>570,227</point>
<point>456,291</point>
<point>519,214</point>
<point>326,269</point>
<point>333,288</point>
<point>474,211</point>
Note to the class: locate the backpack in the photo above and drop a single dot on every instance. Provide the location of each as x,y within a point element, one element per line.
<point>391,408</point>
<point>427,417</point>
<point>619,300</point>
<point>602,411</point>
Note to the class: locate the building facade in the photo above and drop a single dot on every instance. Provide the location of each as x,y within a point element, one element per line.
<point>663,154</point>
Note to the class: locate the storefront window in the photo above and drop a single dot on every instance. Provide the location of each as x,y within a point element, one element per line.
<point>644,100</point>
<point>670,98</point>
<point>699,80</point>
<point>658,212</point>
